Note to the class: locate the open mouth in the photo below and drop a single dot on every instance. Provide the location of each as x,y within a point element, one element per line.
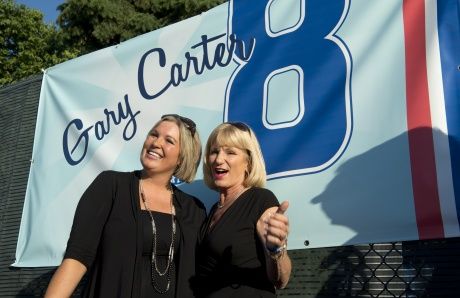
<point>219,173</point>
<point>154,154</point>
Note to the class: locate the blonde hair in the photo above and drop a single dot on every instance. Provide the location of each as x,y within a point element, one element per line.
<point>189,151</point>
<point>241,136</point>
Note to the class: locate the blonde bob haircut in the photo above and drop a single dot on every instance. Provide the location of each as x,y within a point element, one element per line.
<point>189,151</point>
<point>239,135</point>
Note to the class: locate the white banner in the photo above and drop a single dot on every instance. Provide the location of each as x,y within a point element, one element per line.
<point>354,103</point>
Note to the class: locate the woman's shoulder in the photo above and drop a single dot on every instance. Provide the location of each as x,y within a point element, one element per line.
<point>262,193</point>
<point>187,199</point>
<point>112,174</point>
<point>190,210</point>
<point>110,178</point>
<point>263,197</point>
<point>115,174</point>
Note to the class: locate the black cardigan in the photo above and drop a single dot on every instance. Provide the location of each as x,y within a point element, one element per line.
<point>106,236</point>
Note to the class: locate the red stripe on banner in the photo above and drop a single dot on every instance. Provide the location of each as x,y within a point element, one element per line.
<point>421,146</point>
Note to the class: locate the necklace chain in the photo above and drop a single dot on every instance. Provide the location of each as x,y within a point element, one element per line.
<point>154,263</point>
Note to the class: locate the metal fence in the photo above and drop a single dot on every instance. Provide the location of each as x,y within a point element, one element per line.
<point>400,269</point>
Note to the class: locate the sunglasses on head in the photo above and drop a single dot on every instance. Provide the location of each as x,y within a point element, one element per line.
<point>188,123</point>
<point>241,126</point>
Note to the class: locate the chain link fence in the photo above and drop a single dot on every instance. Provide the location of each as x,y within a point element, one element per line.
<point>399,269</point>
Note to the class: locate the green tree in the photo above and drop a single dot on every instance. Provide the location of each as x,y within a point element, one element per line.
<point>94,24</point>
<point>28,44</point>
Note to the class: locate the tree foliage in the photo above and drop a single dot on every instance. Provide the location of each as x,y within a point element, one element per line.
<point>94,24</point>
<point>28,44</point>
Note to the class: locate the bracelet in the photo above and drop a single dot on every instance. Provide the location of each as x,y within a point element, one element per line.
<point>277,252</point>
<point>277,249</point>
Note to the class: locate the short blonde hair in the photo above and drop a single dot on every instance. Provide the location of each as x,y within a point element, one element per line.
<point>239,135</point>
<point>190,148</point>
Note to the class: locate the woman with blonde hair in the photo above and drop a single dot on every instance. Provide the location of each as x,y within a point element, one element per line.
<point>242,250</point>
<point>134,232</point>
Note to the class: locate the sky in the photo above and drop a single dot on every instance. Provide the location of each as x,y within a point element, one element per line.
<point>47,7</point>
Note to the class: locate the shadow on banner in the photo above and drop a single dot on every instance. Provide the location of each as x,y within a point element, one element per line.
<point>422,268</point>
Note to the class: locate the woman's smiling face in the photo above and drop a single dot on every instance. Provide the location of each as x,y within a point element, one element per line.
<point>160,152</point>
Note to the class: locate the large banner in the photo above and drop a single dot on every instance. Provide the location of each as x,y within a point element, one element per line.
<point>356,104</point>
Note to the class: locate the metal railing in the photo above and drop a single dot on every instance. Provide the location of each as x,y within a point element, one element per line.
<point>399,269</point>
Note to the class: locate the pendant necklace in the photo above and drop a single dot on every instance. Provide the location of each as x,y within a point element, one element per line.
<point>169,263</point>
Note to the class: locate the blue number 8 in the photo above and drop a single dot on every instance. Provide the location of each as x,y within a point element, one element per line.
<point>294,91</point>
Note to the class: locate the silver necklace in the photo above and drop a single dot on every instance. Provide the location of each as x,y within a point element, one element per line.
<point>154,264</point>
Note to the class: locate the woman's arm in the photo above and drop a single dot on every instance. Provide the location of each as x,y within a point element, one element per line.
<point>273,229</point>
<point>90,218</point>
<point>65,279</point>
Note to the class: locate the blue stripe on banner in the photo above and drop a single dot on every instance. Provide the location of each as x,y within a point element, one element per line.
<point>449,43</point>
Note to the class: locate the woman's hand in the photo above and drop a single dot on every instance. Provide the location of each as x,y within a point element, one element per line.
<point>273,230</point>
<point>277,228</point>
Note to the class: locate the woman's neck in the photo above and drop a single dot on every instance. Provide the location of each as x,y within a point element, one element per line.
<point>156,180</point>
<point>155,193</point>
<point>231,194</point>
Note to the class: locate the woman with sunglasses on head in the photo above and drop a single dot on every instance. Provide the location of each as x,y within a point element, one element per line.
<point>242,250</point>
<point>135,233</point>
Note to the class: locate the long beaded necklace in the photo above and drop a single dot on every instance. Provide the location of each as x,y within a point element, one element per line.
<point>154,263</point>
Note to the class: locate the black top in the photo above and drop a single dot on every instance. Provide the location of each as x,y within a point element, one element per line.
<point>163,241</point>
<point>231,258</point>
<point>107,236</point>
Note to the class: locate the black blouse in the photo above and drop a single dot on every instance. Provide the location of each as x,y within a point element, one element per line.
<point>107,236</point>
<point>231,258</point>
